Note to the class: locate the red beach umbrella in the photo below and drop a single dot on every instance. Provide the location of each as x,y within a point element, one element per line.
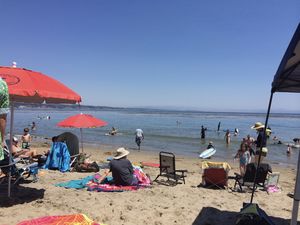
<point>82,121</point>
<point>34,87</point>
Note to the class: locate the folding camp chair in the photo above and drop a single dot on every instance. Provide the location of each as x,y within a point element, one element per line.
<point>271,184</point>
<point>72,143</point>
<point>248,178</point>
<point>167,168</point>
<point>58,157</point>
<point>18,171</point>
<point>215,174</point>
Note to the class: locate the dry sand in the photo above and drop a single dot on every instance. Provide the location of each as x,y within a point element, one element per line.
<point>160,204</point>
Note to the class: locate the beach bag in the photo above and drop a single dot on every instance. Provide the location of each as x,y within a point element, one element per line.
<point>92,167</point>
<point>251,214</point>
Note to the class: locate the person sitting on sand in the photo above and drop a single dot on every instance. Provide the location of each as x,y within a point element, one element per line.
<point>243,155</point>
<point>121,169</point>
<point>26,139</point>
<point>19,152</point>
<point>210,145</point>
<point>84,164</point>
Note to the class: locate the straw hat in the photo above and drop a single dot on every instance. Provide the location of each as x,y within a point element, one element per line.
<point>121,152</point>
<point>258,125</point>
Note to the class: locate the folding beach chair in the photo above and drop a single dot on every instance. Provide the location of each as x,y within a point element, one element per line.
<point>72,143</point>
<point>58,157</point>
<point>167,168</point>
<point>215,174</point>
<point>18,171</point>
<point>272,181</point>
<point>248,178</point>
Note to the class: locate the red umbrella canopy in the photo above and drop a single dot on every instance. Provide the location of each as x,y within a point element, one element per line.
<point>82,121</point>
<point>34,87</point>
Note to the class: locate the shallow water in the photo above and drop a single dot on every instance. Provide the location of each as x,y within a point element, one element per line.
<point>175,131</point>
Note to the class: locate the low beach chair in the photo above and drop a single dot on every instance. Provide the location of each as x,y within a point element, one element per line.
<point>167,168</point>
<point>18,171</point>
<point>215,174</point>
<point>58,157</point>
<point>72,143</point>
<point>248,178</point>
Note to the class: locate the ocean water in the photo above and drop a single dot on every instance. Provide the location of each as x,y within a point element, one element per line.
<point>175,131</point>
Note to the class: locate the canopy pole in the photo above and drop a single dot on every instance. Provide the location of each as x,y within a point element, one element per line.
<point>10,147</point>
<point>260,152</point>
<point>81,140</point>
<point>296,199</point>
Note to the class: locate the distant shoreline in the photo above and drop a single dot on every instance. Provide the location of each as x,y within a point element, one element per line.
<point>67,107</point>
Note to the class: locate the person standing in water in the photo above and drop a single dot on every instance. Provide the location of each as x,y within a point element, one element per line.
<point>203,132</point>
<point>227,137</point>
<point>219,125</point>
<point>139,136</point>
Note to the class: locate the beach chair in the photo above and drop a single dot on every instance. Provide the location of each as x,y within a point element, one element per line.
<point>272,181</point>
<point>167,168</point>
<point>18,171</point>
<point>215,174</point>
<point>58,157</point>
<point>248,178</point>
<point>72,143</point>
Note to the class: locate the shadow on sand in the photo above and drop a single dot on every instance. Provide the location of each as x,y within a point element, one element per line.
<point>20,195</point>
<point>213,216</point>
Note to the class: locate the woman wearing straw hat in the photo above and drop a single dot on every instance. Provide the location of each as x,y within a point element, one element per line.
<point>121,168</point>
<point>261,141</point>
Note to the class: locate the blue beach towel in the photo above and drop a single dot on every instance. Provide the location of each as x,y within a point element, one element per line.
<point>78,184</point>
<point>58,158</point>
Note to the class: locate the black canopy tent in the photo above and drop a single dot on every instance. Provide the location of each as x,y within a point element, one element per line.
<point>287,79</point>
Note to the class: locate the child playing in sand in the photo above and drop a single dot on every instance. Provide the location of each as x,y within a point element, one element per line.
<point>26,139</point>
<point>244,155</point>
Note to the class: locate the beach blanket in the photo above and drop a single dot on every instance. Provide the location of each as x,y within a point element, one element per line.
<point>78,184</point>
<point>92,184</point>
<point>143,181</point>
<point>75,219</point>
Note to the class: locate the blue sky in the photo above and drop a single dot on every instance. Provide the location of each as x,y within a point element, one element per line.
<point>206,55</point>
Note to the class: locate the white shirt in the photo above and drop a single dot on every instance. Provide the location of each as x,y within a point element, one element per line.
<point>139,132</point>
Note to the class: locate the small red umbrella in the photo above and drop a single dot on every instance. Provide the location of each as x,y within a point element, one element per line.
<point>82,121</point>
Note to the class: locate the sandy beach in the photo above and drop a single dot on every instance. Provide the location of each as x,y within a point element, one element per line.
<point>160,204</point>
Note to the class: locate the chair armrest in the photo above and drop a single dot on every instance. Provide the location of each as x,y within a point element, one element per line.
<point>182,171</point>
<point>8,165</point>
<point>164,166</point>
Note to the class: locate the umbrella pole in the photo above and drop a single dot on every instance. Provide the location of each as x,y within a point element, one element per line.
<point>81,139</point>
<point>10,147</point>
<point>260,152</point>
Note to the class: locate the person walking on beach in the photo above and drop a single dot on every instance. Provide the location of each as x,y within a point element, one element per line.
<point>227,137</point>
<point>203,132</point>
<point>139,136</point>
<point>261,141</point>
<point>219,125</point>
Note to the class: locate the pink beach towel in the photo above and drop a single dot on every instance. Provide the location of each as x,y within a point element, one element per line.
<point>75,219</point>
<point>143,179</point>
